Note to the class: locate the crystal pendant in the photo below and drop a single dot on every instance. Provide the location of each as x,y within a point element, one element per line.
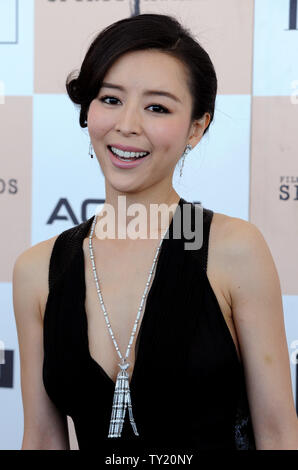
<point>121,401</point>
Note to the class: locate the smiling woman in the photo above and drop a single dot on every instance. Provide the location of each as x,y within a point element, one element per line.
<point>170,96</point>
<point>146,33</point>
<point>203,357</point>
<point>160,126</point>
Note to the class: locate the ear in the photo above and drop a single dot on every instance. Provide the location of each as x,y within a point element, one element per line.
<point>197,129</point>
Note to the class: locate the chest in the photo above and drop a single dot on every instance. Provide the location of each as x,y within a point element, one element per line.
<point>122,275</point>
<point>122,280</point>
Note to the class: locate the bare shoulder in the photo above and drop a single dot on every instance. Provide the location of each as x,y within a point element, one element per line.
<point>233,235</point>
<point>45,427</point>
<point>239,251</point>
<point>234,245</point>
<point>31,268</point>
<point>36,258</point>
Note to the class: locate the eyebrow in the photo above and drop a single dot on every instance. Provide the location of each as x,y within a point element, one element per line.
<point>146,93</point>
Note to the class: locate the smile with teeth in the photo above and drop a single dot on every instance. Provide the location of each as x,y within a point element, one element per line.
<point>127,156</point>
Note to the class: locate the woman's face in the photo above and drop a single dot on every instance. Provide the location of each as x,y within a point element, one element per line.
<point>127,115</point>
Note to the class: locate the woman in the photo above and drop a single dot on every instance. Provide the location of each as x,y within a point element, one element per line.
<point>208,364</point>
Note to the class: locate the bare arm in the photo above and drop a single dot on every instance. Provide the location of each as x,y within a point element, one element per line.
<point>256,300</point>
<point>44,427</point>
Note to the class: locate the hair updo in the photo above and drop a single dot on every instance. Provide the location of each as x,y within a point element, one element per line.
<point>145,31</point>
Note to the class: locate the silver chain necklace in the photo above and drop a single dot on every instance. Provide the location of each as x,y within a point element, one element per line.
<point>122,398</point>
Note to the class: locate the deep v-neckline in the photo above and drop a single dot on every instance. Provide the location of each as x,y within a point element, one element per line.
<point>147,303</point>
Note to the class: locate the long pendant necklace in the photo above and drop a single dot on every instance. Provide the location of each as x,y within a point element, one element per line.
<point>122,398</point>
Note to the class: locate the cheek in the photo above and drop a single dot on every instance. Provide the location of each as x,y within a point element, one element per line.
<point>98,122</point>
<point>166,134</point>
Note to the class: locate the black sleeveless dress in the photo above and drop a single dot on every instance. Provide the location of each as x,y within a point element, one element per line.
<point>187,387</point>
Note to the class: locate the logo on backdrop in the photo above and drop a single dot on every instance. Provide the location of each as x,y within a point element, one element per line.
<point>179,223</point>
<point>6,367</point>
<point>293,14</point>
<point>64,206</point>
<point>135,7</point>
<point>9,22</point>
<point>134,4</point>
<point>294,354</point>
<point>288,188</point>
<point>8,186</point>
<point>2,353</point>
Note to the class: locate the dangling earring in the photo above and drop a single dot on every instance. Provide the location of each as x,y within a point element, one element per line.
<point>188,148</point>
<point>90,150</point>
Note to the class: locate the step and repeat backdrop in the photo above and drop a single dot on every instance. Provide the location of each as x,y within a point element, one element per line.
<point>246,166</point>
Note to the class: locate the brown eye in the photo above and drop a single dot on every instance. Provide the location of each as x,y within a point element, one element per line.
<point>103,98</point>
<point>164,110</point>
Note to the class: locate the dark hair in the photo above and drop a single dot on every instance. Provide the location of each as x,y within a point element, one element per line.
<point>145,31</point>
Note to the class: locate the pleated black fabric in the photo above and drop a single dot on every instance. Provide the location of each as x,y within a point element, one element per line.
<point>188,386</point>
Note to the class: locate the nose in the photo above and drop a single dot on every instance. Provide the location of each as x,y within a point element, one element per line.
<point>128,120</point>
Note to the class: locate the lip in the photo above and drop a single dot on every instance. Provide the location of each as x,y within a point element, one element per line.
<point>126,165</point>
<point>127,149</point>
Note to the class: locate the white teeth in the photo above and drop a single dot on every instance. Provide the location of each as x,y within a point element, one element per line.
<point>120,153</point>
